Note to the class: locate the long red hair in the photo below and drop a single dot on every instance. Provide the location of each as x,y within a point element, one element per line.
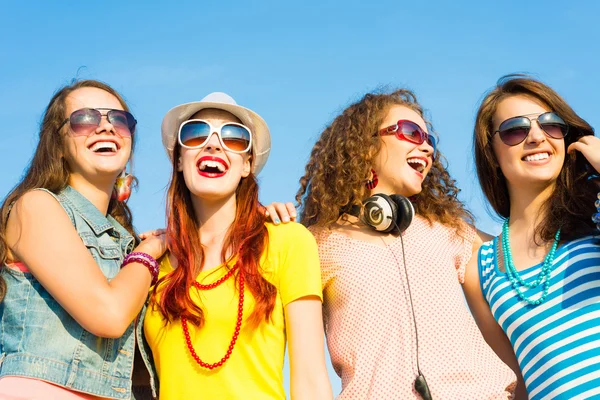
<point>247,236</point>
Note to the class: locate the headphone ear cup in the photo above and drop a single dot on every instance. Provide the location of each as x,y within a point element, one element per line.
<point>405,211</point>
<point>380,212</point>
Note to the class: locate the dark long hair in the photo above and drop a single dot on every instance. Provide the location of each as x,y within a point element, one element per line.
<point>247,237</point>
<point>48,168</point>
<point>341,160</point>
<point>571,204</point>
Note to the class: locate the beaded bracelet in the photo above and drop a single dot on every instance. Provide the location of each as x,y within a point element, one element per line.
<point>147,260</point>
<point>596,216</point>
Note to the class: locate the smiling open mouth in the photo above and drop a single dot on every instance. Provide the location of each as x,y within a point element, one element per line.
<point>536,157</point>
<point>417,164</point>
<point>212,168</point>
<point>104,147</point>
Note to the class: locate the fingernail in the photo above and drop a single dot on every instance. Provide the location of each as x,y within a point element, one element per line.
<point>294,215</point>
<point>276,220</point>
<point>286,219</point>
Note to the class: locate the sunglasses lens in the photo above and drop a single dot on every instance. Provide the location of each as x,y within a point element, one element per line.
<point>553,125</point>
<point>514,130</point>
<point>432,143</point>
<point>123,122</point>
<point>84,121</point>
<point>194,134</point>
<point>411,132</point>
<point>513,137</point>
<point>408,130</point>
<point>235,137</point>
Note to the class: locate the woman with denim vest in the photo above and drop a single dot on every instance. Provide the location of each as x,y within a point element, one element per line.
<point>70,290</point>
<point>233,288</point>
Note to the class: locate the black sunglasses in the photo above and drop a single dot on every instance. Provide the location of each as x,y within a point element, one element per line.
<point>515,130</point>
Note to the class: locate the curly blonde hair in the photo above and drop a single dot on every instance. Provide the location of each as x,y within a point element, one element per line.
<point>341,161</point>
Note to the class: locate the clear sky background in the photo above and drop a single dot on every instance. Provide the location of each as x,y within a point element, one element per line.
<point>298,64</point>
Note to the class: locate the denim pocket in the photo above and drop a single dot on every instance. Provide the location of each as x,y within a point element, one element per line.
<point>106,252</point>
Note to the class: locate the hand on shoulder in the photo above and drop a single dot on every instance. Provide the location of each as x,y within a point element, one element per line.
<point>280,212</point>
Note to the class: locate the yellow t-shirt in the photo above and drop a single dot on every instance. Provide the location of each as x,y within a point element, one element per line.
<point>255,368</point>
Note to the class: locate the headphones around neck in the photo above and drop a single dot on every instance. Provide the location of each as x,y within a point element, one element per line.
<point>386,214</point>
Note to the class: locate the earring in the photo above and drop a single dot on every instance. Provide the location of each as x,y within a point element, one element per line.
<point>373,181</point>
<point>122,189</point>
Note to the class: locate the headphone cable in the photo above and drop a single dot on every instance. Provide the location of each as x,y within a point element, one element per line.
<point>421,385</point>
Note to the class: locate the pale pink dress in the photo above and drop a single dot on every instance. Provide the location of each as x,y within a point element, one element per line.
<point>370,330</point>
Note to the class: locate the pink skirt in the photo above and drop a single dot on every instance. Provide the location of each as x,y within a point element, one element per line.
<point>20,388</point>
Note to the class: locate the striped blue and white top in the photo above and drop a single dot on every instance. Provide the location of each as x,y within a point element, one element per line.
<point>557,343</point>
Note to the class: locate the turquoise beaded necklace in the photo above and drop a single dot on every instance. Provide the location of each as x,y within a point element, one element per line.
<point>596,216</point>
<point>515,278</point>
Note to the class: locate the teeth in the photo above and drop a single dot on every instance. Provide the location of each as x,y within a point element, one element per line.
<point>536,157</point>
<point>212,164</point>
<point>420,163</point>
<point>104,145</point>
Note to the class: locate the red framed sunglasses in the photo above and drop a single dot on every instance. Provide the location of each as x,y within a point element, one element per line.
<point>410,132</point>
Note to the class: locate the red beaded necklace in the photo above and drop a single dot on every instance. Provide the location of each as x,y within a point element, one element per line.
<point>238,324</point>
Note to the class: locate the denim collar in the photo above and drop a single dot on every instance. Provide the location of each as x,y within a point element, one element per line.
<point>99,222</point>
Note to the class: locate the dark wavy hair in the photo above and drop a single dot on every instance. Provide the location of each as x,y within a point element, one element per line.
<point>571,204</point>
<point>48,168</point>
<point>247,237</point>
<point>341,160</point>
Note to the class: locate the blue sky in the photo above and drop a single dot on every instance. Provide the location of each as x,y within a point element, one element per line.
<point>296,63</point>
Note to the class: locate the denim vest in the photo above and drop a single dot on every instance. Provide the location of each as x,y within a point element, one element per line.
<point>40,340</point>
<point>145,350</point>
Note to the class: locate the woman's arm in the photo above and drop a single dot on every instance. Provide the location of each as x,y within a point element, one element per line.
<point>304,325</point>
<point>491,331</point>
<point>40,234</point>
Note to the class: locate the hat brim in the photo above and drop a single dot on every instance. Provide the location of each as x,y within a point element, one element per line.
<point>261,138</point>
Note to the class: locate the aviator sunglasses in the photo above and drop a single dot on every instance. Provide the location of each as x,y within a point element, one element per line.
<point>409,131</point>
<point>194,133</point>
<point>515,130</point>
<point>85,121</point>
